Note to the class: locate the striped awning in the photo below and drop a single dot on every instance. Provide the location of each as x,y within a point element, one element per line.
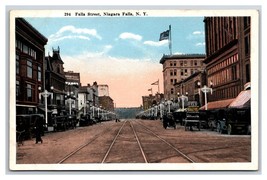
<point>218,104</point>
<point>242,100</point>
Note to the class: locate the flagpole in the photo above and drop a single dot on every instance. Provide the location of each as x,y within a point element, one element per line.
<point>158,85</point>
<point>170,40</point>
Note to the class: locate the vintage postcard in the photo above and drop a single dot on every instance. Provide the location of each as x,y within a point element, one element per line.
<point>134,89</point>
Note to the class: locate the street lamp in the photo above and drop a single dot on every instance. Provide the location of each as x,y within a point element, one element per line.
<point>183,98</point>
<point>70,101</point>
<point>168,102</point>
<point>206,90</point>
<point>45,94</point>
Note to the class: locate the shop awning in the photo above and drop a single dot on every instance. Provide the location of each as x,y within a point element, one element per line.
<point>218,104</point>
<point>242,100</point>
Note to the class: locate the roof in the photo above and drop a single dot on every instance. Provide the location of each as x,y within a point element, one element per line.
<point>181,56</point>
<point>242,100</point>
<point>218,104</point>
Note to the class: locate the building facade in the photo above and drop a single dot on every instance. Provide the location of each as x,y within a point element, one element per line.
<point>228,55</point>
<point>72,85</point>
<point>177,68</point>
<point>191,88</point>
<point>149,101</point>
<point>106,103</point>
<point>103,90</point>
<point>30,54</point>
<point>55,81</point>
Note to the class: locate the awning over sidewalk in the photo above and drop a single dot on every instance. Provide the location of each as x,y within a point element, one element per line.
<point>242,100</point>
<point>218,104</point>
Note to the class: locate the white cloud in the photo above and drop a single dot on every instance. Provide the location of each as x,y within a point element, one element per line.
<point>156,43</point>
<point>200,44</point>
<point>127,35</point>
<point>198,33</point>
<point>101,53</point>
<point>178,53</point>
<point>71,32</point>
<point>71,37</point>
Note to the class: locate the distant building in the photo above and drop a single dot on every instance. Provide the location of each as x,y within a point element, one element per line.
<point>106,103</point>
<point>103,90</point>
<point>73,77</point>
<point>228,55</point>
<point>149,101</point>
<point>191,88</point>
<point>72,85</point>
<point>55,81</point>
<point>88,95</point>
<point>177,68</point>
<point>30,52</point>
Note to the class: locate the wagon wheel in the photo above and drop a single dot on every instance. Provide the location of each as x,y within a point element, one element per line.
<point>229,129</point>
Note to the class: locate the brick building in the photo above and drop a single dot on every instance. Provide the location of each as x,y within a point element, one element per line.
<point>191,87</point>
<point>55,81</point>
<point>228,55</point>
<point>177,68</point>
<point>30,53</point>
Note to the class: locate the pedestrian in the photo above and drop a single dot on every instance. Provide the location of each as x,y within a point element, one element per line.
<point>38,129</point>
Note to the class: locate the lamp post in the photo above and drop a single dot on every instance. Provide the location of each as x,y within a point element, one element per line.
<point>70,101</point>
<point>46,94</point>
<point>206,90</point>
<point>183,98</point>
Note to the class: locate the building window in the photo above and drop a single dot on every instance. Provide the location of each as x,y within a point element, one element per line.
<point>171,73</point>
<point>39,73</point>
<point>170,63</point>
<point>29,69</point>
<point>175,72</point>
<point>172,91</point>
<point>195,62</point>
<point>185,72</point>
<point>247,73</point>
<point>247,45</point>
<point>246,22</point>
<point>174,63</point>
<point>29,92</point>
<point>171,81</point>
<point>181,63</point>
<point>182,72</point>
<point>17,64</point>
<point>25,49</point>
<point>192,71</point>
<point>17,89</point>
<point>234,73</point>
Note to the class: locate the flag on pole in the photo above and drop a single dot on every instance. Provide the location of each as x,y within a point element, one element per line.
<point>164,35</point>
<point>155,83</point>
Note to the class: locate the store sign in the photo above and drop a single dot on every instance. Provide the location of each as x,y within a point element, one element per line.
<point>192,103</point>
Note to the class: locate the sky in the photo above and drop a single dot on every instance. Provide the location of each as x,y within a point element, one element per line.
<point>122,52</point>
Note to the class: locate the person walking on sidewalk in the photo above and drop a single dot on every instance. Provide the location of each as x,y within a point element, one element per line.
<point>38,129</point>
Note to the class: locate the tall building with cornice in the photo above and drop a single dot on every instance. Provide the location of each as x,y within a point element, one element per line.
<point>178,67</point>
<point>228,55</point>
<point>30,54</point>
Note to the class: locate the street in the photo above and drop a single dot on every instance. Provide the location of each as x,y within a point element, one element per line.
<point>135,141</point>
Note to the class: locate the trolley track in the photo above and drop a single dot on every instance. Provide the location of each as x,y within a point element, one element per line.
<point>179,152</point>
<point>119,143</point>
<point>128,146</point>
<point>74,152</point>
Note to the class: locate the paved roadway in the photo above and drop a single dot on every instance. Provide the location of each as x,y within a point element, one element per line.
<point>135,141</point>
